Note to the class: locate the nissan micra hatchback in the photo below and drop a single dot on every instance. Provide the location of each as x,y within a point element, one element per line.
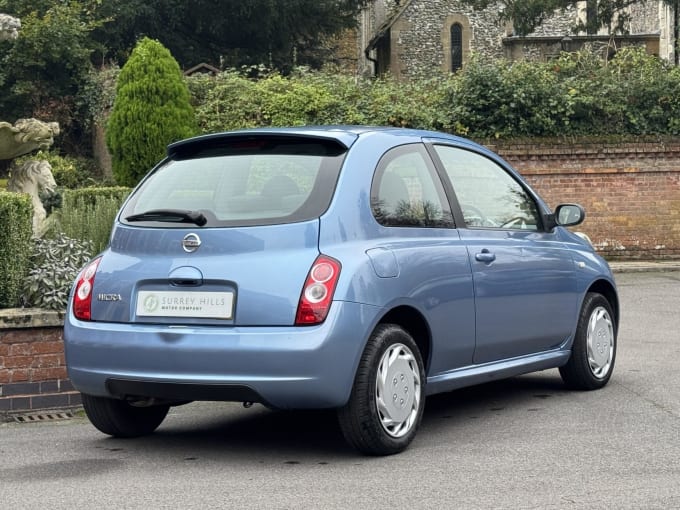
<point>354,268</point>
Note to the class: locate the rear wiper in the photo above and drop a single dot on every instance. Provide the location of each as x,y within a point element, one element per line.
<point>170,216</point>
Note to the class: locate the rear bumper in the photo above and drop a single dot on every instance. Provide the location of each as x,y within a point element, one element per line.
<point>283,367</point>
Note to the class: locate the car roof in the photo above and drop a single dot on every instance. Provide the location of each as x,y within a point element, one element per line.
<point>344,135</point>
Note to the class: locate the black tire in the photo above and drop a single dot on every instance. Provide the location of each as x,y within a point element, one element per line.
<point>366,424</point>
<point>120,419</point>
<point>593,353</point>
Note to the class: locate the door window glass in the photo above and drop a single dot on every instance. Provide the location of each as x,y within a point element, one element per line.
<point>488,196</point>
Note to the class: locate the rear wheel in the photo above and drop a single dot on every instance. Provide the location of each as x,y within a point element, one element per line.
<point>388,397</point>
<point>119,418</point>
<point>594,350</point>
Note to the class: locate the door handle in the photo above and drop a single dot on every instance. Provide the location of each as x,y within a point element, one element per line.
<point>485,256</point>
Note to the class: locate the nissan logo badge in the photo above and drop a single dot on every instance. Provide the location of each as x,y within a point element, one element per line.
<point>191,242</point>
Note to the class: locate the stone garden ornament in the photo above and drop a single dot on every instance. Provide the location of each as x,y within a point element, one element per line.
<point>9,27</point>
<point>33,177</point>
<point>25,136</point>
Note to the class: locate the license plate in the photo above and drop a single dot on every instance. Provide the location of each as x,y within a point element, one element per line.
<point>204,305</point>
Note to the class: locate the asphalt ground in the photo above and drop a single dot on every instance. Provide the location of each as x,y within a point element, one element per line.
<point>523,443</point>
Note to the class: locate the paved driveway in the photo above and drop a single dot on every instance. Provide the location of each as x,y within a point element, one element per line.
<point>522,443</point>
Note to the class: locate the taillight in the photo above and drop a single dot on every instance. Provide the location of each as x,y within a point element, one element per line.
<point>317,293</point>
<point>82,296</point>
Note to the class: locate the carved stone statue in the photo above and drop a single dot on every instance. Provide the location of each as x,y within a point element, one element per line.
<point>32,177</point>
<point>26,136</point>
<point>9,27</point>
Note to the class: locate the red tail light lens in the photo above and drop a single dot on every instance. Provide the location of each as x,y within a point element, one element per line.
<point>317,293</point>
<point>82,296</point>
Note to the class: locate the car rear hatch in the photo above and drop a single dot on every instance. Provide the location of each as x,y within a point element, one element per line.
<point>222,232</point>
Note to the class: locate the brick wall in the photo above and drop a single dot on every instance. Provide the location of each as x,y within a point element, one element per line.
<point>32,368</point>
<point>631,192</point>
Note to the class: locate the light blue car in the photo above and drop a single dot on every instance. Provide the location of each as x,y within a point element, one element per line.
<point>354,268</point>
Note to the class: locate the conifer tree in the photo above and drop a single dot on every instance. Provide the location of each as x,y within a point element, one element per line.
<point>152,109</point>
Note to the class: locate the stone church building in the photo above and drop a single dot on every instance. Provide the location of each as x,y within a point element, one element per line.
<point>422,37</point>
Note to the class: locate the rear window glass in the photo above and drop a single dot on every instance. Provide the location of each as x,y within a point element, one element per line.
<point>242,182</point>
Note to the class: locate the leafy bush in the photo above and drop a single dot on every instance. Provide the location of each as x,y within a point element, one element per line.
<point>91,196</point>
<point>231,101</point>
<point>98,93</point>
<point>16,217</point>
<point>151,109</point>
<point>87,214</point>
<point>575,94</point>
<point>502,99</point>
<point>54,265</point>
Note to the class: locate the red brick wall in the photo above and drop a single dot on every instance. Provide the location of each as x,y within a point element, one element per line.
<point>32,368</point>
<point>631,192</point>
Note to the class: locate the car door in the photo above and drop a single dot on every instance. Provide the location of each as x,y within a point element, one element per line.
<point>431,263</point>
<point>524,280</point>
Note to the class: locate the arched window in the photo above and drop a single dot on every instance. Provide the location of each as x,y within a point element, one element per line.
<point>456,46</point>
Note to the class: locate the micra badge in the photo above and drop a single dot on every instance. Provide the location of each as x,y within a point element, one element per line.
<point>109,297</point>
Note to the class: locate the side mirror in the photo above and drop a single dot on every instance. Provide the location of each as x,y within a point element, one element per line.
<point>569,215</point>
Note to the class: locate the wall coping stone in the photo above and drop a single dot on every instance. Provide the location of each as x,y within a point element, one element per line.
<point>23,318</point>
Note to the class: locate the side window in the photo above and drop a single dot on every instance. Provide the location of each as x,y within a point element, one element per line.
<point>488,196</point>
<point>406,191</point>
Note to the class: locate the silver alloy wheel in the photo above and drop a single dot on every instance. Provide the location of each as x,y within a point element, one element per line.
<point>397,390</point>
<point>600,342</point>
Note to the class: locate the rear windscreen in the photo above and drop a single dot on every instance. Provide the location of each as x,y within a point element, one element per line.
<point>258,181</point>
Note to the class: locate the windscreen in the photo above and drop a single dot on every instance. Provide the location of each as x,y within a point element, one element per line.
<point>260,181</point>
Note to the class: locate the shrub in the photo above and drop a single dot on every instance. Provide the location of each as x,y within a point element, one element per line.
<point>232,101</point>
<point>54,265</point>
<point>16,217</point>
<point>87,214</point>
<point>574,94</point>
<point>151,109</point>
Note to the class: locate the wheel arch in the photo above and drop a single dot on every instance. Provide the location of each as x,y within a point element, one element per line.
<point>607,289</point>
<point>416,325</point>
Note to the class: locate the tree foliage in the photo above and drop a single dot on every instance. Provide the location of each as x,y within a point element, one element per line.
<point>278,33</point>
<point>47,72</point>
<point>152,108</point>
<point>43,70</point>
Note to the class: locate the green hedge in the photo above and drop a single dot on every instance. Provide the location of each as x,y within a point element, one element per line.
<point>577,94</point>
<point>91,196</point>
<point>87,214</point>
<point>232,101</point>
<point>16,218</point>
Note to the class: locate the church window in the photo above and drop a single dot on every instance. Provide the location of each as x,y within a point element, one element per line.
<point>456,46</point>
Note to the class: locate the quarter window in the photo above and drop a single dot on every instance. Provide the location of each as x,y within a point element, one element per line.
<point>407,192</point>
<point>489,197</point>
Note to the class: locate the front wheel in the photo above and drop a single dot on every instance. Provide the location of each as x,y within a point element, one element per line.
<point>388,396</point>
<point>594,350</point>
<point>120,419</point>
